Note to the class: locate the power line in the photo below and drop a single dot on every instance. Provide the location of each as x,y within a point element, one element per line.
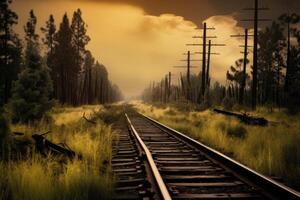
<point>256,19</point>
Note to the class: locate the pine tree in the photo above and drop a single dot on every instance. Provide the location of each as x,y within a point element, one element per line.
<point>87,92</point>
<point>32,90</point>
<point>271,42</point>
<point>293,96</point>
<point>64,61</point>
<point>10,50</point>
<point>79,41</point>
<point>49,31</point>
<point>288,20</point>
<point>101,81</point>
<point>237,76</point>
<point>30,32</point>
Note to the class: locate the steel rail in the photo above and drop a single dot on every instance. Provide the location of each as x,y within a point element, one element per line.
<point>272,187</point>
<point>161,185</point>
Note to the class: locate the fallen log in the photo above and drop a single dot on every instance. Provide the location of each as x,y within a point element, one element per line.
<point>18,133</point>
<point>45,146</point>
<point>245,118</point>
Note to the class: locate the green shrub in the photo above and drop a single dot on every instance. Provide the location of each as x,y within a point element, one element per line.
<point>236,131</point>
<point>36,177</point>
<point>272,150</point>
<point>4,128</point>
<point>4,137</point>
<point>32,91</point>
<point>170,112</point>
<point>227,103</point>
<point>109,115</point>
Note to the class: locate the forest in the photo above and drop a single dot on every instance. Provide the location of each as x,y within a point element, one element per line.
<point>277,74</point>
<point>39,71</point>
<point>44,81</point>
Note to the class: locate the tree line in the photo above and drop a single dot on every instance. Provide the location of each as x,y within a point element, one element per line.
<point>278,75</point>
<point>54,67</point>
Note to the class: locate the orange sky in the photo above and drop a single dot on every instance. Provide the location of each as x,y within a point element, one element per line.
<point>137,47</point>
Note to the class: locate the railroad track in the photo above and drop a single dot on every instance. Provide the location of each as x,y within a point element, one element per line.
<point>178,167</point>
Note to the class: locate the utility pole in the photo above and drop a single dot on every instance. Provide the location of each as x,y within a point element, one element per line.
<point>255,45</point>
<point>209,54</point>
<point>245,62</point>
<point>188,73</point>
<point>161,91</point>
<point>205,62</point>
<point>169,86</point>
<point>287,82</point>
<point>166,89</point>
<point>254,82</point>
<point>153,91</point>
<point>242,90</point>
<point>208,64</point>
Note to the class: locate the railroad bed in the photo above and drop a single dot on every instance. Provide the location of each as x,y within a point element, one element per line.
<point>161,163</point>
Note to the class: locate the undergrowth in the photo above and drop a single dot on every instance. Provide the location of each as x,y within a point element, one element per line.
<point>36,177</point>
<point>272,150</point>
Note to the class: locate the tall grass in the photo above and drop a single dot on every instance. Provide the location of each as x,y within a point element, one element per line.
<point>273,150</point>
<point>48,178</point>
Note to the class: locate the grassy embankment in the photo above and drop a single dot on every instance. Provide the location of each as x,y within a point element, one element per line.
<point>273,150</point>
<point>39,178</point>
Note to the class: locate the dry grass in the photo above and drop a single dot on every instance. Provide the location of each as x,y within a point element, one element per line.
<point>40,178</point>
<point>273,150</point>
<point>68,115</point>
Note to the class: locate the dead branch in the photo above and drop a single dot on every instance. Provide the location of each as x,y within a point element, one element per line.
<point>88,120</point>
<point>46,133</point>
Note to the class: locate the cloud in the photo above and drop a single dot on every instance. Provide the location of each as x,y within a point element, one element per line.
<point>225,26</point>
<point>136,47</point>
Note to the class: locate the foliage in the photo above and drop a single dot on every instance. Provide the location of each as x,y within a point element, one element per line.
<point>270,61</point>
<point>10,50</point>
<point>111,114</point>
<point>4,137</point>
<point>293,95</point>
<point>47,178</point>
<point>79,37</point>
<point>63,67</point>
<point>237,131</point>
<point>49,30</point>
<point>49,41</point>
<point>277,87</point>
<point>270,150</point>
<point>87,91</point>
<point>71,65</point>
<point>31,92</point>
<point>78,78</point>
<point>236,72</point>
<point>30,28</point>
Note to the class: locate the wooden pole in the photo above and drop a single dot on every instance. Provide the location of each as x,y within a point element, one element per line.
<point>169,86</point>
<point>188,76</point>
<point>254,74</point>
<point>208,64</point>
<point>203,62</point>
<point>242,90</point>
